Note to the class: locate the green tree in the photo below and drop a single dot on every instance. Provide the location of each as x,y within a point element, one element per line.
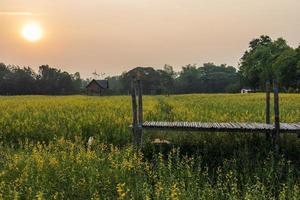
<point>257,63</point>
<point>167,76</point>
<point>189,79</point>
<point>285,67</point>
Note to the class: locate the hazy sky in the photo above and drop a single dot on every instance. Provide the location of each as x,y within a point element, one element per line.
<point>111,36</point>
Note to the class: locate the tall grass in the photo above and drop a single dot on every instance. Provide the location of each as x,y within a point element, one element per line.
<point>44,155</point>
<point>68,170</point>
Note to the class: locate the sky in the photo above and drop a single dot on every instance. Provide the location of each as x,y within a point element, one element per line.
<point>112,36</point>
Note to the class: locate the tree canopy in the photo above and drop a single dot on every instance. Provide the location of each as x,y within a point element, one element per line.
<point>15,80</point>
<point>208,78</point>
<point>268,59</point>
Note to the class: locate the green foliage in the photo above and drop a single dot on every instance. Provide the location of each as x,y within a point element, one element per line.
<point>285,66</point>
<point>266,60</point>
<point>69,170</point>
<point>19,81</point>
<point>208,78</point>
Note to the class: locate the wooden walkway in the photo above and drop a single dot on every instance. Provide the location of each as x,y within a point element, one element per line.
<point>269,129</point>
<point>222,127</point>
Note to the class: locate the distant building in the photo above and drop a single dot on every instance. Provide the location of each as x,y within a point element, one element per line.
<point>246,90</point>
<point>97,87</point>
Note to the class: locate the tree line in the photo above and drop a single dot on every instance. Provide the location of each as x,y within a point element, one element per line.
<point>264,60</point>
<point>15,80</point>
<point>209,78</point>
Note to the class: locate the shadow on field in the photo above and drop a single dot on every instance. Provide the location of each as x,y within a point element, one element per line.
<point>214,148</point>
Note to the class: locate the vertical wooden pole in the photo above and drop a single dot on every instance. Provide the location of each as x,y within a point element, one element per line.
<point>268,120</point>
<point>140,112</point>
<point>134,112</point>
<point>140,100</point>
<point>276,112</point>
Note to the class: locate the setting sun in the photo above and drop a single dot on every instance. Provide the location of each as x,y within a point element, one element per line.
<point>32,32</point>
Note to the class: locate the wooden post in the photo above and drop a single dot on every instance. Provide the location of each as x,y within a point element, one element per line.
<point>276,112</point>
<point>268,120</point>
<point>134,112</point>
<point>140,112</point>
<point>140,101</point>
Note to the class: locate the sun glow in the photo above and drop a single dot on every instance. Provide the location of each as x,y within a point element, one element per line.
<point>32,32</point>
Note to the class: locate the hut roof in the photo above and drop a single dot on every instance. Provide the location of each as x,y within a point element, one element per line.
<point>102,83</point>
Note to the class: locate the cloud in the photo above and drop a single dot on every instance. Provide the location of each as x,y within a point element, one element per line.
<point>20,13</point>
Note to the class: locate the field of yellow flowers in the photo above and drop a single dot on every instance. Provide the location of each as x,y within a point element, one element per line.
<point>44,152</point>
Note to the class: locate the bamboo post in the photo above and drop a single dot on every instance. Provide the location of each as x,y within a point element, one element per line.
<point>140,100</point>
<point>276,112</point>
<point>268,121</point>
<point>140,112</point>
<point>134,112</point>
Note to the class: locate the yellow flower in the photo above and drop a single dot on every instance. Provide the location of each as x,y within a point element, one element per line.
<point>16,195</point>
<point>121,191</point>
<point>158,189</point>
<point>175,192</point>
<point>39,196</point>
<point>53,161</point>
<point>90,154</point>
<point>127,164</point>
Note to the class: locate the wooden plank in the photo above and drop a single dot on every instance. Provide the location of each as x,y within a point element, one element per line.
<point>241,126</point>
<point>224,127</point>
<point>297,125</point>
<point>207,126</point>
<point>292,126</point>
<point>257,126</point>
<point>216,125</point>
<point>285,126</point>
<point>234,125</point>
<point>246,126</point>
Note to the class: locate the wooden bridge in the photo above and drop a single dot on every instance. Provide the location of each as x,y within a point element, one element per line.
<point>222,127</point>
<point>269,129</point>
